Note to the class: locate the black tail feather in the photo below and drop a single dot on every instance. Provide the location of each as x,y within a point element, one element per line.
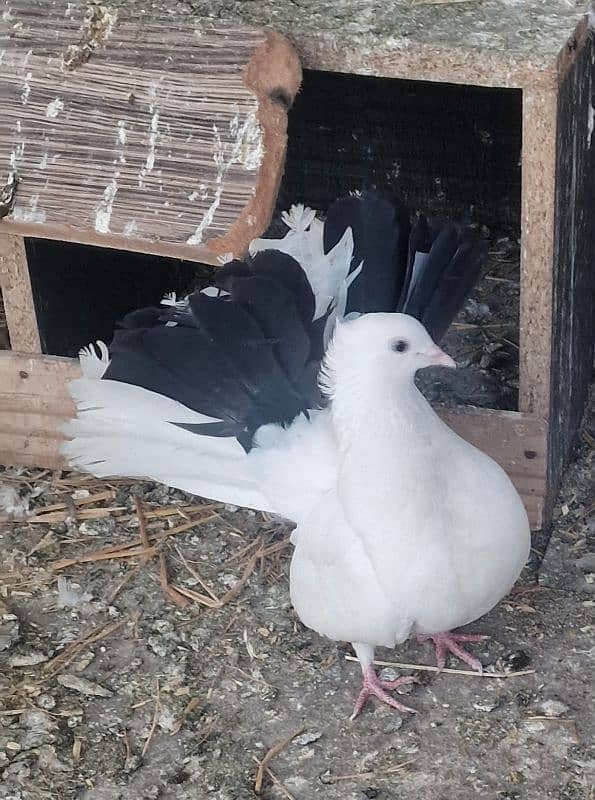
<point>380,227</point>
<point>420,242</point>
<point>250,355</point>
<point>426,278</point>
<point>443,266</point>
<point>426,269</point>
<point>457,280</point>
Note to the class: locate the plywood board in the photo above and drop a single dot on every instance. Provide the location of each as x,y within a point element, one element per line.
<point>537,249</point>
<point>484,42</point>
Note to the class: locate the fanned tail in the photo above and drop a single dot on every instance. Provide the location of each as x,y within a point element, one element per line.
<point>367,256</point>
<point>184,388</point>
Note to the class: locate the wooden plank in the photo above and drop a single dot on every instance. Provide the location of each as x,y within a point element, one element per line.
<point>491,43</point>
<point>36,376</point>
<point>573,333</point>
<point>33,404</point>
<point>518,442</point>
<point>537,250</point>
<point>16,294</point>
<point>139,130</point>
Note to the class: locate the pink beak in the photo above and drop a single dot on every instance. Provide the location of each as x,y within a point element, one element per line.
<point>439,358</point>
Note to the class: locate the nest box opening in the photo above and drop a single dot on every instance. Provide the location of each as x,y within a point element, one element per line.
<point>451,150</point>
<point>81,292</point>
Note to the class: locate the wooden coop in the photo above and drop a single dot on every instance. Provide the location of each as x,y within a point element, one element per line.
<point>160,131</point>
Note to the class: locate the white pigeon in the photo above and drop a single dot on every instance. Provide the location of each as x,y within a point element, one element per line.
<point>402,527</point>
<point>414,531</point>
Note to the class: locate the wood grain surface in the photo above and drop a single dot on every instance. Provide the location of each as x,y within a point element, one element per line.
<point>132,128</point>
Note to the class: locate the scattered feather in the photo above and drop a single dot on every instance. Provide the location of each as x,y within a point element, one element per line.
<point>69,595</point>
<point>12,502</point>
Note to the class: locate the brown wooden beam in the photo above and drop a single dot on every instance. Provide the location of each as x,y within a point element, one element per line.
<point>16,293</point>
<point>537,249</point>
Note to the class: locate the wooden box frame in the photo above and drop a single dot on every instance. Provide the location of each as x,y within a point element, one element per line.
<point>556,320</point>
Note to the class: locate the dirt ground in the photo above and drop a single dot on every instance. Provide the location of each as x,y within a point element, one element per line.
<point>118,683</point>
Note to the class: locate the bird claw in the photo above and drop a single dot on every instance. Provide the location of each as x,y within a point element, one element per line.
<point>374,687</point>
<point>451,643</point>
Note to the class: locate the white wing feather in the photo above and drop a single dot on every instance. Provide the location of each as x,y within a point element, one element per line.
<point>296,466</point>
<point>327,273</point>
<point>107,438</point>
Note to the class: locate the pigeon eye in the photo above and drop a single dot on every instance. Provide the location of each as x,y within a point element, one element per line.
<point>399,346</point>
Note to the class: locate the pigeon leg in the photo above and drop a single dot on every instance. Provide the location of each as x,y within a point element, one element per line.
<point>373,686</point>
<point>451,643</point>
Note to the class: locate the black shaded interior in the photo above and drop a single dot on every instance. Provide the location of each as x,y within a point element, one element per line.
<point>448,149</point>
<point>81,292</point>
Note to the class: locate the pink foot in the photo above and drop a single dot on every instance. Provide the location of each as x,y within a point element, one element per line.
<point>450,643</point>
<point>373,686</point>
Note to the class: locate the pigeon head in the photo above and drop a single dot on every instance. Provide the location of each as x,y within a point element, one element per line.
<point>394,345</point>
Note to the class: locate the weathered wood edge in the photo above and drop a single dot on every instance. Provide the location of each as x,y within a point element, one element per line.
<point>274,75</point>
<point>540,107</point>
<point>19,308</point>
<point>34,402</point>
<point>202,253</point>
<point>374,56</point>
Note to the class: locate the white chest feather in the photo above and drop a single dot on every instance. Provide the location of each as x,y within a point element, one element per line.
<point>423,533</point>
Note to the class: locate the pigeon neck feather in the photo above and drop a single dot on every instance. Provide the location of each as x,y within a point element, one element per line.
<point>371,404</point>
